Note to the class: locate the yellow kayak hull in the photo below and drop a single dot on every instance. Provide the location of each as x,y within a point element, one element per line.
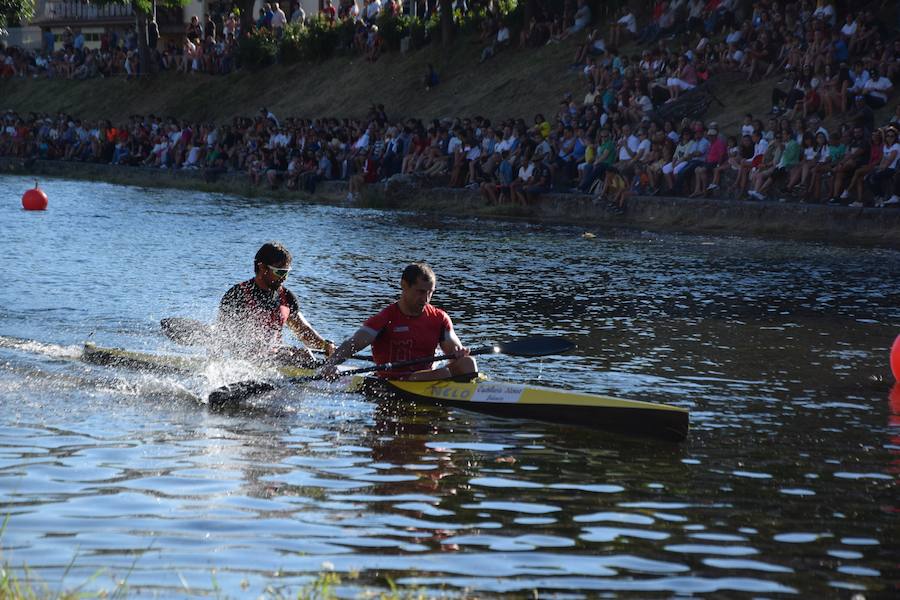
<point>537,402</point>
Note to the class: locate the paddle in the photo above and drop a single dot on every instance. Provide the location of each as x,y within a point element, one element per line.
<point>525,347</point>
<point>191,332</point>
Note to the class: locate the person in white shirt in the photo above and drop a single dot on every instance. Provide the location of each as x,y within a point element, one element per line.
<point>749,165</point>
<point>526,173</point>
<point>876,89</point>
<point>372,11</point>
<point>850,26</point>
<point>624,29</point>
<point>278,20</point>
<point>825,11</point>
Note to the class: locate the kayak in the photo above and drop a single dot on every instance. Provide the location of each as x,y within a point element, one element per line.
<point>536,402</point>
<point>478,395</point>
<point>159,363</point>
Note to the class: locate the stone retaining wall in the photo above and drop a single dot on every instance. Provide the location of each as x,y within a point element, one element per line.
<point>831,224</point>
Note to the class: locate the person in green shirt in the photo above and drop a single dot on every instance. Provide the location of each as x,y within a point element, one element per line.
<point>790,157</point>
<point>604,158</point>
<point>837,148</point>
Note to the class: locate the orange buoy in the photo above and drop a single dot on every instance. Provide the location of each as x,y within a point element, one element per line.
<point>895,359</point>
<point>34,199</point>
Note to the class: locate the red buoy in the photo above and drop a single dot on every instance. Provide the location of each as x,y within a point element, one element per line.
<point>34,199</point>
<point>895,359</point>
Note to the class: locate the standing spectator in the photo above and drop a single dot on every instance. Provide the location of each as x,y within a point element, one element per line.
<point>328,12</point>
<point>194,31</point>
<point>278,20</point>
<point>209,27</point>
<point>152,35</point>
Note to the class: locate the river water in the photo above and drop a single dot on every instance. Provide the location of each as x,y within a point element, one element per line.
<point>786,485</point>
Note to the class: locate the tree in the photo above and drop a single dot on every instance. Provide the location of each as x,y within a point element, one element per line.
<point>247,16</point>
<point>15,11</point>
<point>446,22</point>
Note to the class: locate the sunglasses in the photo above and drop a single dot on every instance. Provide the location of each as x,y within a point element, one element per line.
<point>279,272</point>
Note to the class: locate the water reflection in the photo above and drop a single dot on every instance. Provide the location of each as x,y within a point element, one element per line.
<point>786,485</point>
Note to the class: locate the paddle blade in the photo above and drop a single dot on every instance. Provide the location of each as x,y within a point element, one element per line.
<point>189,332</point>
<point>540,345</point>
<point>229,396</point>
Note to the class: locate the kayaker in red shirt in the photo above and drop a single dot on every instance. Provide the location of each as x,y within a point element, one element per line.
<point>408,329</point>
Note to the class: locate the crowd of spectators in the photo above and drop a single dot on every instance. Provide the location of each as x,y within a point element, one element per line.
<point>819,143</point>
<point>207,46</point>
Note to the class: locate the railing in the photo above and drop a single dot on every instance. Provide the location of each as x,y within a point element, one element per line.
<point>82,11</point>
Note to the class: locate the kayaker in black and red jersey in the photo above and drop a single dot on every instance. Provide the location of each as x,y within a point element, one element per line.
<point>253,314</point>
<point>408,329</point>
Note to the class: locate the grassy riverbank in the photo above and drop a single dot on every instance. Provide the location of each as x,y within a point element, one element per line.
<point>515,83</point>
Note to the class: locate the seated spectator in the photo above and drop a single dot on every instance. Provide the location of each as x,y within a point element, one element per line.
<point>875,154</point>
<point>502,40</point>
<point>581,19</point>
<point>855,157</point>
<point>790,157</point>
<point>683,78</point>
<point>624,29</point>
<point>368,175</point>
<point>883,173</point>
<point>541,181</point>
<point>877,89</point>
<point>832,150</point>
<point>497,188</point>
<point>765,168</point>
<point>716,154</point>
<point>536,32</point>
<point>322,172</point>
<point>523,179</point>
<point>799,175</point>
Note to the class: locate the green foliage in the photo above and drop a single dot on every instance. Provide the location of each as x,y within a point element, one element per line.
<point>317,40</point>
<point>144,5</point>
<point>257,51</point>
<point>394,29</point>
<point>320,40</point>
<point>292,43</point>
<point>13,12</point>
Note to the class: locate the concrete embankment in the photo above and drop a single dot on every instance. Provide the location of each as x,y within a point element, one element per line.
<point>829,224</point>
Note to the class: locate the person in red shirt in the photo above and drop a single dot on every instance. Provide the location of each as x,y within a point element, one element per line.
<point>408,329</point>
<point>328,12</point>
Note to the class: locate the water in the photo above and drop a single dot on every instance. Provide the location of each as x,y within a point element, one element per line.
<point>786,485</point>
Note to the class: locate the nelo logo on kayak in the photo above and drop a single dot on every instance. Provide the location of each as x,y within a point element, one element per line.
<point>448,392</point>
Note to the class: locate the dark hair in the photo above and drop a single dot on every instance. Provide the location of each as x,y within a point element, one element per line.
<point>417,270</point>
<point>272,253</point>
